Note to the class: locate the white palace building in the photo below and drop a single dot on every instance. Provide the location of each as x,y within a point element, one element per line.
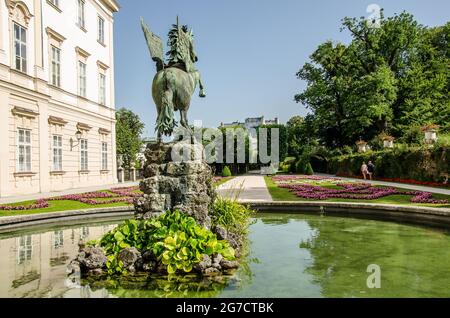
<point>57,113</point>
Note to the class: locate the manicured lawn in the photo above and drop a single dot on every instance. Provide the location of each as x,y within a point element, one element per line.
<point>280,194</point>
<point>71,203</point>
<point>58,206</point>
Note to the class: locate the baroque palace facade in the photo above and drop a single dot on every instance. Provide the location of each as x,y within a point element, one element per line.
<point>57,111</point>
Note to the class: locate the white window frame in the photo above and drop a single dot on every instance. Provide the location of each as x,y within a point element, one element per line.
<point>102,89</point>
<point>55,66</point>
<point>104,156</point>
<point>22,43</point>
<point>82,81</point>
<point>26,166</point>
<point>58,239</point>
<point>101,30</point>
<point>84,155</point>
<point>24,249</point>
<point>57,159</point>
<point>81,14</point>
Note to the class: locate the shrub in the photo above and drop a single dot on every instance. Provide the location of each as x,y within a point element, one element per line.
<point>416,163</point>
<point>231,215</point>
<point>413,135</point>
<point>299,168</point>
<point>226,172</point>
<point>292,167</point>
<point>309,170</point>
<point>176,240</point>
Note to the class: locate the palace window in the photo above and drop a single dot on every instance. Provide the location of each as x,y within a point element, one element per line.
<point>104,156</point>
<point>20,48</point>
<point>101,30</point>
<point>84,232</point>
<point>81,14</point>
<point>55,70</point>
<point>24,150</point>
<point>57,153</point>
<point>58,239</point>
<point>25,249</point>
<point>81,79</point>
<point>102,89</point>
<point>84,155</point>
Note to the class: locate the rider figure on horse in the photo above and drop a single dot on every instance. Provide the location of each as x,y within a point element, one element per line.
<point>176,81</point>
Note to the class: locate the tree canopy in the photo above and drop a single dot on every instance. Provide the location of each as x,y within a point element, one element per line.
<point>387,79</point>
<point>129,128</point>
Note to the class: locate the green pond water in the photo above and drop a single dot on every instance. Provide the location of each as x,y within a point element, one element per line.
<point>290,255</point>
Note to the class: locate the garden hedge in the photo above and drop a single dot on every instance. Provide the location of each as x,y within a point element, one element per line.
<point>422,164</point>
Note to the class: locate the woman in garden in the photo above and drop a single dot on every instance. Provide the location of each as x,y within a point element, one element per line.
<point>364,170</point>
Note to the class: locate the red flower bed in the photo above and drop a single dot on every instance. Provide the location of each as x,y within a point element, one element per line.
<point>115,195</point>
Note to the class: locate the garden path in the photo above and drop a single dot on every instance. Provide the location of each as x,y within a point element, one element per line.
<point>396,185</point>
<point>30,197</point>
<point>247,188</point>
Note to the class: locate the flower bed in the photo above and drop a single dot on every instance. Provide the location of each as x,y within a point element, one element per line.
<point>354,191</point>
<point>404,181</point>
<point>303,178</point>
<point>115,195</point>
<point>40,204</point>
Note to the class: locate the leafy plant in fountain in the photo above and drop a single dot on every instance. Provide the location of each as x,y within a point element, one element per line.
<point>176,240</point>
<point>231,215</point>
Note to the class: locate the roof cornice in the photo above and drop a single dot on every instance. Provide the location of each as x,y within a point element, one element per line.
<point>111,5</point>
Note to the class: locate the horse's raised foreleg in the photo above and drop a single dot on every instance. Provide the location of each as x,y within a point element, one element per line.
<point>198,80</point>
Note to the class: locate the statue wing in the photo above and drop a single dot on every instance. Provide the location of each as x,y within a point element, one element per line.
<point>155,46</point>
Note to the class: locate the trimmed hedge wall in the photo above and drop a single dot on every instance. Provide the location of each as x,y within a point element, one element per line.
<point>409,163</point>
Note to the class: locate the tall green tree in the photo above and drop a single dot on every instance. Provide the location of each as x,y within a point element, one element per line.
<point>129,128</point>
<point>386,79</point>
<point>301,132</point>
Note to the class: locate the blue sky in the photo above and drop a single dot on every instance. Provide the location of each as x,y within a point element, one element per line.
<point>249,50</point>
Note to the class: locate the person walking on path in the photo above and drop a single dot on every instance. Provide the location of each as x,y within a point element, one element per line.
<point>371,169</point>
<point>364,170</point>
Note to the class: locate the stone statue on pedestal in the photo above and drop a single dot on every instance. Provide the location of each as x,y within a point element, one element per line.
<point>185,185</point>
<point>175,81</point>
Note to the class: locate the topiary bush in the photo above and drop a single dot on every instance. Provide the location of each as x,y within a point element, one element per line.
<point>226,172</point>
<point>309,170</point>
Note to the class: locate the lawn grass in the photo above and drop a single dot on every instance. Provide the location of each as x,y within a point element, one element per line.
<point>62,205</point>
<point>58,206</point>
<point>280,194</point>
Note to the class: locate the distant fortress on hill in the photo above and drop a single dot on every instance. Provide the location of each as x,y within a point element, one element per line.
<point>252,123</point>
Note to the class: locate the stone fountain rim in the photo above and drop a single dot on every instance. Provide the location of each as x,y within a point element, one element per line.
<point>427,216</point>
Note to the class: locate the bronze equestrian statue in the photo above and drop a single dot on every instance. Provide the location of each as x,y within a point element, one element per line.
<point>175,81</point>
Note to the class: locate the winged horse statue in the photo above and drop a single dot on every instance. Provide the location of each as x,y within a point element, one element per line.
<point>176,79</point>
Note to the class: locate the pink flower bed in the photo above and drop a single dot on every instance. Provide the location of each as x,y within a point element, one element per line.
<point>356,191</point>
<point>302,177</point>
<point>40,204</point>
<point>115,195</point>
